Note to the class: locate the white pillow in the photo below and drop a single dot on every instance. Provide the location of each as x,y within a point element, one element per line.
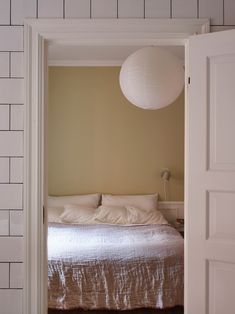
<point>111,215</point>
<point>91,200</point>
<point>144,202</point>
<point>53,213</point>
<point>138,216</point>
<point>77,214</point>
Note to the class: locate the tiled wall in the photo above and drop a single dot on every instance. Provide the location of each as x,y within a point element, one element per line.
<point>12,13</point>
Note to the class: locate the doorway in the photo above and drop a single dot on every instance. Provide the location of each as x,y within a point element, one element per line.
<point>38,35</point>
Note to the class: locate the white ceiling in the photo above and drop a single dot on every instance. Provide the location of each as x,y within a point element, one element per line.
<point>97,55</point>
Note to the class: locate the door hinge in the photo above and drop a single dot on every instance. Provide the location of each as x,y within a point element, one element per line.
<point>189,80</point>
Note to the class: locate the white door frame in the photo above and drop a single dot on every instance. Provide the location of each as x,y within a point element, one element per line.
<point>38,34</point>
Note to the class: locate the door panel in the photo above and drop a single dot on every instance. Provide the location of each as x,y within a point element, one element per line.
<point>221,288</point>
<point>221,74</point>
<point>210,175</point>
<point>221,216</point>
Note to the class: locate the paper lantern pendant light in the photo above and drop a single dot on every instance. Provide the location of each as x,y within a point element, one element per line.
<point>152,78</point>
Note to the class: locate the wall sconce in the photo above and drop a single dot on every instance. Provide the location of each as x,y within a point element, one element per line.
<point>165,174</point>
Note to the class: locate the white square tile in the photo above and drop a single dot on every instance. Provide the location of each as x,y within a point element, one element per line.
<point>12,91</point>
<point>4,12</point>
<point>11,38</point>
<point>11,301</point>
<point>157,9</point>
<point>16,275</point>
<point>130,8</point>
<point>11,196</point>
<point>4,222</point>
<point>50,8</point>
<point>77,9</point>
<point>17,117</point>
<point>184,8</point>
<point>16,222</point>
<point>16,170</point>
<point>4,116</point>
<point>229,12</point>
<point>21,9</point>
<point>11,143</point>
<point>212,9</point>
<point>17,64</point>
<point>4,64</point>
<point>12,249</point>
<point>4,170</point>
<point>103,8</point>
<point>4,275</point>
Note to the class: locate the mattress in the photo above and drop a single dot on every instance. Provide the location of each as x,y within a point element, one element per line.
<point>114,267</point>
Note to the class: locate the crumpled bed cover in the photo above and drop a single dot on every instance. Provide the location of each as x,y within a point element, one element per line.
<point>114,267</point>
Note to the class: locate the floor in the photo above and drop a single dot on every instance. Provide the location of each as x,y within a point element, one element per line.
<point>175,310</point>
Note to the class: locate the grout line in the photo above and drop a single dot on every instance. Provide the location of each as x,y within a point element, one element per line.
<point>7,156</point>
<point>11,183</point>
<point>223,13</point>
<point>9,169</point>
<point>63,9</point>
<point>37,9</point>
<point>9,275</point>
<point>10,64</point>
<point>10,12</point>
<point>117,9</point>
<point>11,236</point>
<point>90,9</point>
<point>11,156</point>
<point>14,130</point>
<point>9,223</point>
<point>11,131</point>
<point>198,9</point>
<point>144,9</point>
<point>17,78</point>
<point>11,288</point>
<point>22,25</point>
<point>11,50</point>
<point>22,198</point>
<point>13,210</point>
<point>9,118</point>
<point>171,9</point>
<point>11,262</point>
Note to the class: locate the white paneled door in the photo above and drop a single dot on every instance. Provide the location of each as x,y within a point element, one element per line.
<point>210,192</point>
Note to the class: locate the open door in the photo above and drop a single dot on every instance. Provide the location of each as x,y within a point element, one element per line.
<point>210,168</point>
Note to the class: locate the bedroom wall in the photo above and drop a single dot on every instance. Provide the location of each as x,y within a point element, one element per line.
<point>12,13</point>
<point>99,141</point>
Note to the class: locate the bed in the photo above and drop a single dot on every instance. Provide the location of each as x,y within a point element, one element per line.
<point>119,267</point>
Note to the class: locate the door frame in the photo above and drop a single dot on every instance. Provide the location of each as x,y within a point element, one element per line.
<point>38,34</point>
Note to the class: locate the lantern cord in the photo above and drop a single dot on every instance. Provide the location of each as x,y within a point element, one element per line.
<point>164,184</point>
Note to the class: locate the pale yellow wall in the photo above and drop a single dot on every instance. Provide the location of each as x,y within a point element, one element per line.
<point>99,142</point>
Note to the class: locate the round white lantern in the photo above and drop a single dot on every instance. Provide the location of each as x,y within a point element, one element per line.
<point>152,78</point>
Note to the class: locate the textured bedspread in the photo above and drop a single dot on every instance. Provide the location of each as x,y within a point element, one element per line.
<point>114,267</point>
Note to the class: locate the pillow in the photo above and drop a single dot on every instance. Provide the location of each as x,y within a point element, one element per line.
<point>144,202</point>
<point>111,215</point>
<point>53,214</point>
<point>77,214</point>
<point>91,200</point>
<point>138,216</point>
